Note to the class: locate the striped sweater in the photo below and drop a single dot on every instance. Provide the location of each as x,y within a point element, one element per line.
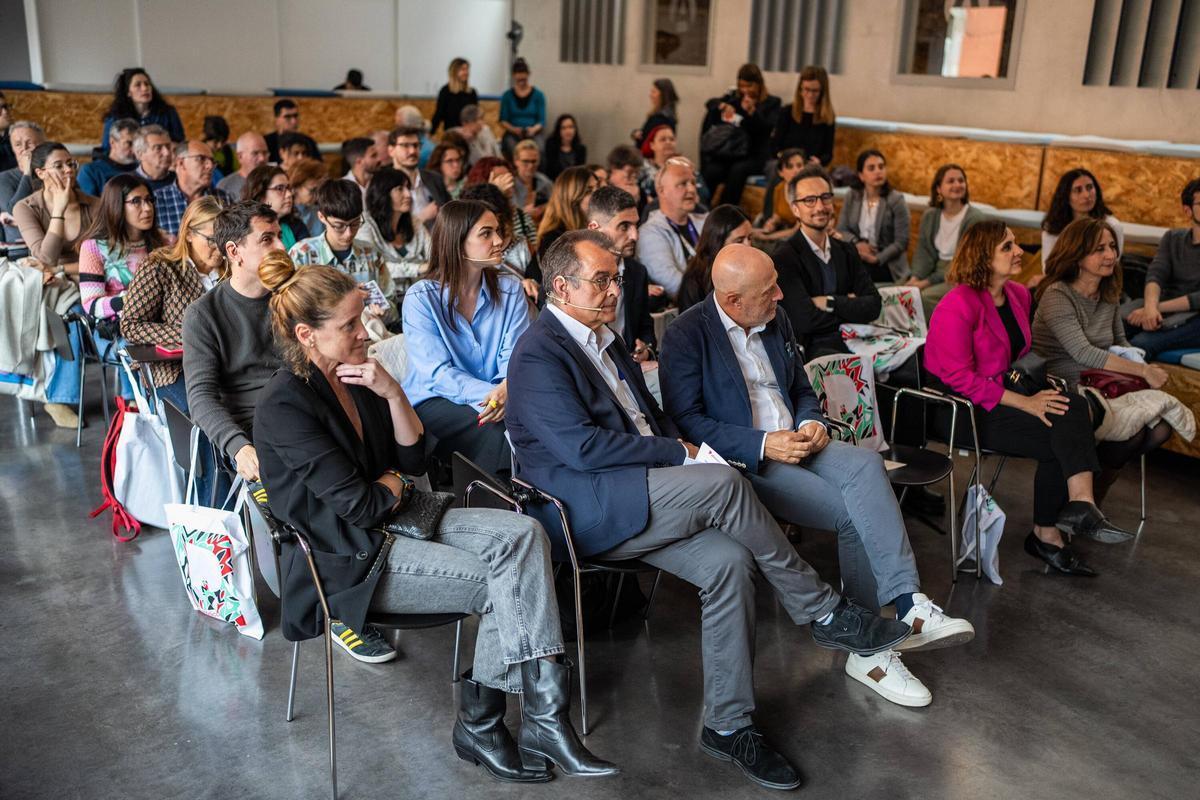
<point>104,274</point>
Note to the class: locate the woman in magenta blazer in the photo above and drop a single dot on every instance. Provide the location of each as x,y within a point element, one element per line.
<point>976,333</point>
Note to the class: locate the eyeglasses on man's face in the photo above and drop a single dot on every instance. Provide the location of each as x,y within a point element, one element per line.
<point>601,282</point>
<point>811,200</point>
<point>340,226</point>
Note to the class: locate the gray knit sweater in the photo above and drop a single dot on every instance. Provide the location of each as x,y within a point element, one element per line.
<point>1073,332</point>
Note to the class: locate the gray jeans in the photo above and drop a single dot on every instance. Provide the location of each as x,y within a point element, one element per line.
<point>488,562</point>
<point>845,489</point>
<point>707,527</point>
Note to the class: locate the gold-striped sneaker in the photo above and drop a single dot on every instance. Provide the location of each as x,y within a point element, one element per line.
<point>368,647</point>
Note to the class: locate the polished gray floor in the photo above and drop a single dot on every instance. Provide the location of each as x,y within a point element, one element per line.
<point>115,688</point>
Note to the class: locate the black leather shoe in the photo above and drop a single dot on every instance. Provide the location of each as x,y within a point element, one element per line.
<point>1061,559</point>
<point>1083,519</point>
<point>546,731</point>
<point>856,630</point>
<point>756,759</point>
<point>481,738</point>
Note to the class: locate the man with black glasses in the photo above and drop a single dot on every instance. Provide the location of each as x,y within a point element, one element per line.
<point>193,178</point>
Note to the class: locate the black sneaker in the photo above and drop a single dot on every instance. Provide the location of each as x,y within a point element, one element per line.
<point>748,749</point>
<point>370,647</point>
<point>856,630</point>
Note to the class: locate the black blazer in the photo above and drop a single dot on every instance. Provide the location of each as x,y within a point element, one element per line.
<point>800,280</point>
<point>320,478</point>
<point>636,291</point>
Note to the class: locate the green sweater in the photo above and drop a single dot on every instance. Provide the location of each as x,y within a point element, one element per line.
<point>925,263</point>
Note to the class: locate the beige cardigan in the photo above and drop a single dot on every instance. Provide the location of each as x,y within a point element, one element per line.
<point>33,220</point>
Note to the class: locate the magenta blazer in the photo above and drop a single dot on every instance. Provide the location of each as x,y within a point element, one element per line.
<point>968,347</point>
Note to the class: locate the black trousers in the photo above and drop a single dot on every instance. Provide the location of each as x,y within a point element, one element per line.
<point>1066,448</point>
<point>733,174</point>
<point>450,427</point>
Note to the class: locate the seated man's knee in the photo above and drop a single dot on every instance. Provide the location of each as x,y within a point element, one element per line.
<point>731,570</point>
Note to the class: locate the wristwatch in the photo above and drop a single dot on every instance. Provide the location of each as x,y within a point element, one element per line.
<point>829,303</point>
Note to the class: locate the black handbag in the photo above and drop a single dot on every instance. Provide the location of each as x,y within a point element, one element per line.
<point>420,513</point>
<point>725,141</point>
<point>1027,375</point>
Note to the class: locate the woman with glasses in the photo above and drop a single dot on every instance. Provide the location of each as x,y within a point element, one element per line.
<point>54,218</point>
<point>270,184</point>
<point>461,325</point>
<point>449,160</point>
<point>306,177</point>
<point>568,206</point>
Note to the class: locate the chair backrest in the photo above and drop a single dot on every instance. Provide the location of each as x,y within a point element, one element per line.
<point>465,472</point>
<point>277,531</point>
<point>901,310</point>
<point>179,428</point>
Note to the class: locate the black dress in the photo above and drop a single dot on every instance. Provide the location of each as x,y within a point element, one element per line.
<point>448,110</point>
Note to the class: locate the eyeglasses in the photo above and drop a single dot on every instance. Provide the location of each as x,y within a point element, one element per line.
<point>603,282</point>
<point>212,241</point>
<point>138,202</point>
<point>64,166</point>
<point>338,226</point>
<point>203,159</point>
<point>812,199</point>
<point>282,188</point>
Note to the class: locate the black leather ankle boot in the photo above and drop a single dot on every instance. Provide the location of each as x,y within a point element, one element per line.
<point>481,738</point>
<point>546,731</point>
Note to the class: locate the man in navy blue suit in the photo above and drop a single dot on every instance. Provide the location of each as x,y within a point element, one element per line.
<point>733,376</point>
<point>585,429</point>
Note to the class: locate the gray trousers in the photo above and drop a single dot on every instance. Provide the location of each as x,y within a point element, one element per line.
<point>488,562</point>
<point>845,489</point>
<point>707,527</point>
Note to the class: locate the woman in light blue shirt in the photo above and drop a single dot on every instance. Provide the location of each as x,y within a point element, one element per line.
<point>460,327</point>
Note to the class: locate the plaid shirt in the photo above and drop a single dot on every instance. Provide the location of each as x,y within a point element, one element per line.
<point>170,203</point>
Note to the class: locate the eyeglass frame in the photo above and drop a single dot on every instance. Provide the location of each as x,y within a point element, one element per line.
<point>342,226</point>
<point>810,200</point>
<point>602,283</point>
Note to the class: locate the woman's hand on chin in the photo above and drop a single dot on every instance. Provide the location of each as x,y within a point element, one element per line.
<point>372,376</point>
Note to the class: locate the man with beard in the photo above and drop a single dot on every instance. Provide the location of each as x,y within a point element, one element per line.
<point>614,213</point>
<point>120,158</point>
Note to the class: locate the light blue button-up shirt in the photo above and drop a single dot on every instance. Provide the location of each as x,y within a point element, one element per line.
<point>462,365</point>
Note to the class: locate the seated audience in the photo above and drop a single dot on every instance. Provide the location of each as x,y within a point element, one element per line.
<point>978,331</point>
<point>531,189</point>
<point>54,219</point>
<point>251,153</point>
<point>24,136</point>
<point>334,429</point>
<point>306,177</point>
<point>449,162</point>
<point>287,121</point>
<point>949,216</point>
<point>516,256</point>
<point>522,111</point>
<point>586,429</point>
<point>1168,318</point>
<point>823,280</point>
<point>613,212</point>
<point>1078,324</point>
<point>564,147</point>
<point>773,428</point>
<point>724,226</point>
<point>454,97</point>
<point>624,170</point>
<point>669,236</point>
<point>499,172</point>
<point>658,146</point>
<point>472,129</point>
<point>1077,195</point>
<point>753,110</point>
<point>120,158</point>
<point>361,160</point>
<point>293,149</point>
<point>270,185</point>
<point>390,228</point>
<point>193,179</point>
<point>567,209</point>
<point>155,154</point>
<point>460,325</point>
<point>808,123</point>
<point>136,97</point>
<point>875,220</point>
<point>353,82</point>
<point>777,220</point>
<point>8,159</point>
<point>429,193</point>
<point>409,116</point>
<point>664,101</point>
<point>216,136</point>
<point>228,354</point>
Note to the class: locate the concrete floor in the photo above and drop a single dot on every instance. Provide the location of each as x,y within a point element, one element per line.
<point>115,688</point>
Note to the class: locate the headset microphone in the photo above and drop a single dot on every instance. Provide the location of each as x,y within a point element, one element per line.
<point>560,301</point>
<point>491,262</point>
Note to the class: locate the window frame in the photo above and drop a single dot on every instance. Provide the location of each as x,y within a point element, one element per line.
<point>646,48</point>
<point>906,42</point>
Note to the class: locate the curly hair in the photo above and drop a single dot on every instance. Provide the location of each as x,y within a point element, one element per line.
<point>972,264</point>
<point>1076,241</point>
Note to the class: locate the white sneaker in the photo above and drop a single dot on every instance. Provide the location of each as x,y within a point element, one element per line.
<point>932,629</point>
<point>886,674</point>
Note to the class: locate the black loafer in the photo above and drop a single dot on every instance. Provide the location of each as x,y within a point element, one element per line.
<point>759,761</point>
<point>1083,519</point>
<point>856,630</point>
<point>1060,559</point>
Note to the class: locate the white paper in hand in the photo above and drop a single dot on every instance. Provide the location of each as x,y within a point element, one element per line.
<point>706,455</point>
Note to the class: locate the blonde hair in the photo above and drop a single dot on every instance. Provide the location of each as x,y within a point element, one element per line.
<point>526,144</point>
<point>454,83</point>
<point>565,207</point>
<point>824,114</point>
<point>305,295</point>
<point>200,211</point>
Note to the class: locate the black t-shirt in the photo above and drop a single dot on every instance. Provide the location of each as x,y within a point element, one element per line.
<point>1016,337</point>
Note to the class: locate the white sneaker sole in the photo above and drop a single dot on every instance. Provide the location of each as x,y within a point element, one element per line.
<point>909,701</point>
<point>950,635</point>
<point>364,659</point>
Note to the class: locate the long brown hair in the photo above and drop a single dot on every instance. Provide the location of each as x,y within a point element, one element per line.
<point>972,264</point>
<point>109,222</point>
<point>564,210</point>
<point>1076,241</point>
<point>199,211</point>
<point>454,83</point>
<point>259,180</point>
<point>750,73</point>
<point>824,114</point>
<point>935,196</point>
<point>447,261</point>
<point>306,296</point>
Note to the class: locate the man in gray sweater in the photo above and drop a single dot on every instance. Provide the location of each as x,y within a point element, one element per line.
<point>1168,319</point>
<point>228,352</point>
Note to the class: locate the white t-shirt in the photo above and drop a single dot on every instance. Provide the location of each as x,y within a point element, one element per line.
<point>866,219</point>
<point>945,241</point>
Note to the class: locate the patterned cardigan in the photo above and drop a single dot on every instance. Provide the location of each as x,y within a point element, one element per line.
<point>157,297</point>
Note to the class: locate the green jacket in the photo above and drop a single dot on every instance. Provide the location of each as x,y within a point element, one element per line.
<point>925,260</point>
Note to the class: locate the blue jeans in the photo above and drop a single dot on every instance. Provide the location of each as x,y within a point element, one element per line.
<point>209,473</point>
<point>65,383</point>
<point>1186,335</point>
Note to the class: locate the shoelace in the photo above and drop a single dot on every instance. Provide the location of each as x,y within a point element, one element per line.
<point>373,636</point>
<point>930,611</point>
<point>745,745</point>
<point>894,666</point>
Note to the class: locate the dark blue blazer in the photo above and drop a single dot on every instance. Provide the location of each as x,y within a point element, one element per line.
<point>573,440</point>
<point>705,393</point>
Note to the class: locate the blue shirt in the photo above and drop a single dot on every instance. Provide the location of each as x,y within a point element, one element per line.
<point>534,112</point>
<point>170,203</point>
<point>168,119</point>
<point>466,364</point>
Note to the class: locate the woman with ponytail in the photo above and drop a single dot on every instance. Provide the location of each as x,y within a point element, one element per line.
<point>335,434</point>
<point>460,326</point>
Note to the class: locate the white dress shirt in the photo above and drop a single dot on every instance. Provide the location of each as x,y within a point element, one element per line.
<point>595,344</point>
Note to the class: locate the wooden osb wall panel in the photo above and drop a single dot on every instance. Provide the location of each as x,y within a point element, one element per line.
<point>76,117</point>
<point>1000,174</point>
<point>1138,188</point>
<point>1184,383</point>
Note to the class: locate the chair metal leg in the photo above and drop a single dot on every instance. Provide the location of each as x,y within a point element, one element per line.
<point>291,705</point>
<point>104,394</point>
<point>79,410</point>
<point>457,642</point>
<point>1145,515</point>
<point>650,599</point>
<point>579,648</point>
<point>612,615</point>
<point>329,691</point>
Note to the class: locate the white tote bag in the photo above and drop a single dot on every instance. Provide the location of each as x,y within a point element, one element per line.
<point>983,511</point>
<point>147,477</point>
<point>845,385</point>
<point>212,550</point>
